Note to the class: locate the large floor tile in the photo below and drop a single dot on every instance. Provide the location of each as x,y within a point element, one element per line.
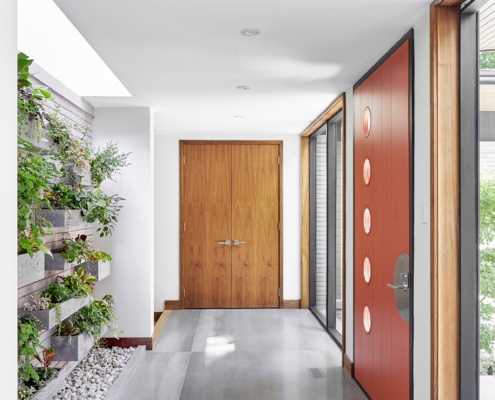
<point>178,333</point>
<point>160,376</point>
<point>267,375</point>
<point>266,329</point>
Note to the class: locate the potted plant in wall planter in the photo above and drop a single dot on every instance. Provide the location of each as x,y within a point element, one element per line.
<point>60,300</point>
<point>34,173</point>
<point>94,261</point>
<point>83,330</point>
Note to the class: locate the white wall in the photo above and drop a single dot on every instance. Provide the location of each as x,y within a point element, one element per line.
<point>167,198</point>
<point>8,166</point>
<point>422,194</point>
<point>131,245</point>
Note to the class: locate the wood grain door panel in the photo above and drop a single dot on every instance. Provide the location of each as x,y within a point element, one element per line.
<point>255,219</point>
<point>230,191</point>
<point>206,212</point>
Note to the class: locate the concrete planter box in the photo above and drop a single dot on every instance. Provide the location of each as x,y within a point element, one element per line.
<point>57,263</point>
<point>72,348</point>
<point>62,218</point>
<point>49,317</point>
<point>43,144</point>
<point>100,270</point>
<point>30,269</point>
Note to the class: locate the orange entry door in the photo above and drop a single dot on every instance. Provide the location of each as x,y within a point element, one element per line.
<point>382,229</point>
<point>230,210</point>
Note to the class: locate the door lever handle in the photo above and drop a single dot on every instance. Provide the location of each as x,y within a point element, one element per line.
<point>225,242</point>
<point>405,283</point>
<point>237,243</point>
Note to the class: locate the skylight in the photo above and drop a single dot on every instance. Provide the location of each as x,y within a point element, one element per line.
<point>46,35</point>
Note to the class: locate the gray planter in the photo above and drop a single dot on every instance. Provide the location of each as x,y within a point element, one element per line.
<point>49,317</point>
<point>62,218</point>
<point>57,263</point>
<point>72,348</point>
<point>30,269</point>
<point>100,270</point>
<point>43,144</point>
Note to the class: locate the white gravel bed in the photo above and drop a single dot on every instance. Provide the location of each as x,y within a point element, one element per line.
<point>94,375</point>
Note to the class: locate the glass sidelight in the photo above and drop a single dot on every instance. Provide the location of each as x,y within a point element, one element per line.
<point>326,222</point>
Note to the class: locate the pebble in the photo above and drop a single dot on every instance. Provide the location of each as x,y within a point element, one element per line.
<point>94,375</point>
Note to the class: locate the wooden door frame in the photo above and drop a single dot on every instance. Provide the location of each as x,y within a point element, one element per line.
<point>279,143</point>
<point>444,196</point>
<point>338,105</point>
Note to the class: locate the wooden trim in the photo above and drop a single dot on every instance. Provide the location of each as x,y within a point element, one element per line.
<point>172,305</point>
<point>159,325</point>
<point>348,365</point>
<point>156,316</point>
<point>280,144</point>
<point>444,192</point>
<point>326,115</point>
<point>125,343</point>
<point>344,230</point>
<point>281,220</point>
<point>291,304</point>
<point>305,222</point>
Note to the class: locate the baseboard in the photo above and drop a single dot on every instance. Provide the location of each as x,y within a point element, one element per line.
<point>156,316</point>
<point>291,304</point>
<point>172,305</point>
<point>130,342</point>
<point>348,365</point>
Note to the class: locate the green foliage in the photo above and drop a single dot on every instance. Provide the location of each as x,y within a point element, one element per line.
<point>487,264</point>
<point>487,59</point>
<point>79,283</point>
<point>57,293</point>
<point>45,373</point>
<point>28,343</point>
<point>95,205</point>
<point>24,392</point>
<point>34,174</point>
<point>107,162</point>
<point>79,250</point>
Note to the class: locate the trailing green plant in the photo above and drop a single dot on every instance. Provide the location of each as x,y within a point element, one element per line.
<point>106,162</point>
<point>95,205</point>
<point>30,99</point>
<point>28,343</point>
<point>79,250</point>
<point>79,283</point>
<point>35,173</point>
<point>92,319</point>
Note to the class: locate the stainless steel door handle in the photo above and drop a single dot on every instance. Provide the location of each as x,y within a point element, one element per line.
<point>404,278</point>
<point>237,243</point>
<point>225,242</point>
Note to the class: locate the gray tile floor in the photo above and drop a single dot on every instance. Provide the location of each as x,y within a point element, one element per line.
<point>242,355</point>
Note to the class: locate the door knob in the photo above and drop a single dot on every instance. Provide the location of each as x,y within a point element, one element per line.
<point>225,242</point>
<point>404,278</point>
<point>237,243</point>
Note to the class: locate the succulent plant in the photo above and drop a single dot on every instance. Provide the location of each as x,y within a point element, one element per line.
<point>37,302</point>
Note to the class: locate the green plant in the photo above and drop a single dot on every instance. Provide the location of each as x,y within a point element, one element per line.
<point>24,392</point>
<point>34,174</point>
<point>94,204</point>
<point>106,162</point>
<point>57,293</point>
<point>28,343</point>
<point>38,302</point>
<point>79,283</point>
<point>92,318</point>
<point>79,250</point>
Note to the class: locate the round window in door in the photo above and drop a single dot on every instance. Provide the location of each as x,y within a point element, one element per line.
<point>367,270</point>
<point>367,171</point>
<point>367,221</point>
<point>367,319</point>
<point>367,122</point>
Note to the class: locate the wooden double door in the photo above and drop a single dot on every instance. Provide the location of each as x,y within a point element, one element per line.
<point>231,224</point>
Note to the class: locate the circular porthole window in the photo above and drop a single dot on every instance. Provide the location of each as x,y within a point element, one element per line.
<point>367,171</point>
<point>367,270</point>
<point>367,320</point>
<point>367,122</point>
<point>367,221</point>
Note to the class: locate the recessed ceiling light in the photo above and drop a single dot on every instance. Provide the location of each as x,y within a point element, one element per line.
<point>243,87</point>
<point>250,32</point>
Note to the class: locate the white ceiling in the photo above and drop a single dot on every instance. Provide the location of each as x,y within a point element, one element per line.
<point>185,58</point>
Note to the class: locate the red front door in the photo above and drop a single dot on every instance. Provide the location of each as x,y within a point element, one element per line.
<point>382,228</point>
